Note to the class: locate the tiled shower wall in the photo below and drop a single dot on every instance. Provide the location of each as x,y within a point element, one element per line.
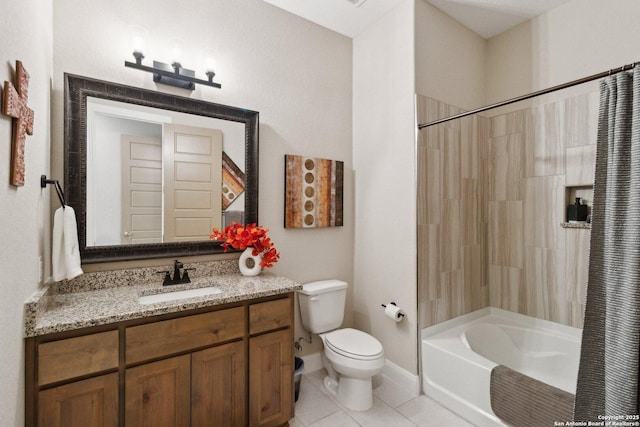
<point>452,214</point>
<point>511,176</point>
<point>544,154</point>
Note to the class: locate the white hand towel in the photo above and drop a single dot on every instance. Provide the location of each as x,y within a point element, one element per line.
<point>65,251</point>
<point>57,249</point>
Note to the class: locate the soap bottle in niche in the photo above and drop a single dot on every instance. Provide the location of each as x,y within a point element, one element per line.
<point>577,212</point>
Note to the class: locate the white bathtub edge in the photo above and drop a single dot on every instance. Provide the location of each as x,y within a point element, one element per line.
<point>471,413</point>
<point>456,321</point>
<point>576,333</point>
<point>401,377</point>
<point>548,325</point>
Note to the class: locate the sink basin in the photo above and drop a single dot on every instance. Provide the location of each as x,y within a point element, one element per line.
<point>171,296</point>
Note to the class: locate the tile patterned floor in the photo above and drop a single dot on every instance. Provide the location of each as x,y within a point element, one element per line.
<point>392,406</point>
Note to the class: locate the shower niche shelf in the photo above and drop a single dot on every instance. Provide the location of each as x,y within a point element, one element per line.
<point>585,192</point>
<point>580,225</point>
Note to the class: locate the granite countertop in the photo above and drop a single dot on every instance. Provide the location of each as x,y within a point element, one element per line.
<point>50,310</point>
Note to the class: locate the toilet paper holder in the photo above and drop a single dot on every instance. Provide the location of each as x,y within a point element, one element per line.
<point>393,303</point>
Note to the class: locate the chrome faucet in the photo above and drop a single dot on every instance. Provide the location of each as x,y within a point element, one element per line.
<point>178,278</point>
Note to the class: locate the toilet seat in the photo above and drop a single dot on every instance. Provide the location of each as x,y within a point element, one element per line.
<point>354,344</point>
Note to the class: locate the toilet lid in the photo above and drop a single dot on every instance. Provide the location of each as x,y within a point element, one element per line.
<point>354,344</point>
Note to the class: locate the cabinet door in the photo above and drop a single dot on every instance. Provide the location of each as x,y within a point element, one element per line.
<point>271,378</point>
<point>158,394</point>
<point>218,386</point>
<point>87,403</point>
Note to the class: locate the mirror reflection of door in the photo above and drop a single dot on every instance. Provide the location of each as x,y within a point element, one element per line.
<point>141,190</point>
<point>192,182</point>
<point>112,194</point>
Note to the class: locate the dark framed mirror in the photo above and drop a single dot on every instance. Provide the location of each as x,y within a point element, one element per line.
<point>239,133</point>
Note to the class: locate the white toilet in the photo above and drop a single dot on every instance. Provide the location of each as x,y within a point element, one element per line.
<point>350,356</point>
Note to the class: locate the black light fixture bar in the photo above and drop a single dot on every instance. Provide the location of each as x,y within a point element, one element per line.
<point>165,75</point>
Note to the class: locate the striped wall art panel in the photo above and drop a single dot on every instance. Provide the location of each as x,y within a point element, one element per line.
<point>313,192</point>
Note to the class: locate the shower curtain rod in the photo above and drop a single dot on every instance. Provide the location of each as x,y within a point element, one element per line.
<point>531,95</point>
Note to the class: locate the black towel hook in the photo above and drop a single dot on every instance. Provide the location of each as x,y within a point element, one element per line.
<point>43,183</point>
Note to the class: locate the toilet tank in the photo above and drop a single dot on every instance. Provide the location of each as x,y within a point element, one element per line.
<point>322,305</point>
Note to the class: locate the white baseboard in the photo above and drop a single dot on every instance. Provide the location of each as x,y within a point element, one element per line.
<point>393,372</point>
<point>402,377</point>
<point>312,362</point>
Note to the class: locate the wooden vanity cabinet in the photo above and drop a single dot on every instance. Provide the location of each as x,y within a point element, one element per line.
<point>82,403</point>
<point>194,388</point>
<point>230,366</point>
<point>270,363</point>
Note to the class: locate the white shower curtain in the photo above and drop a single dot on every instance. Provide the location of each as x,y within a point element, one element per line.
<point>608,374</point>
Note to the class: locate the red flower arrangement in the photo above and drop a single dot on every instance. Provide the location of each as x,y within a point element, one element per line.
<point>238,236</point>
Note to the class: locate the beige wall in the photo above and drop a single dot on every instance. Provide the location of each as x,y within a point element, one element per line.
<point>577,39</point>
<point>295,73</point>
<point>383,154</point>
<point>450,59</point>
<point>394,59</point>
<point>26,35</point>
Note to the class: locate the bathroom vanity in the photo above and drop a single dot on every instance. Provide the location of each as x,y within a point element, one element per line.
<point>100,357</point>
<point>118,348</point>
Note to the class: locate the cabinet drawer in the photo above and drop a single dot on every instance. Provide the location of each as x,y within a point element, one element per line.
<point>173,336</point>
<point>74,357</point>
<point>270,315</point>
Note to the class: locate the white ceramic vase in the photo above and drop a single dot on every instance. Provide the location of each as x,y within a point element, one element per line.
<point>250,264</point>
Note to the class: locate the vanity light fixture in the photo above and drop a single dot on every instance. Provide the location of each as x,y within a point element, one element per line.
<point>172,75</point>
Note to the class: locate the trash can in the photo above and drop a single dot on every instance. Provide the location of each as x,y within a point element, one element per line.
<point>299,369</point>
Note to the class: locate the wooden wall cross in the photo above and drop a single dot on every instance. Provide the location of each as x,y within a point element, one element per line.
<point>14,104</point>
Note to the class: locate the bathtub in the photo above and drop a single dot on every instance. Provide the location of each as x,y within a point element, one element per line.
<point>458,356</point>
